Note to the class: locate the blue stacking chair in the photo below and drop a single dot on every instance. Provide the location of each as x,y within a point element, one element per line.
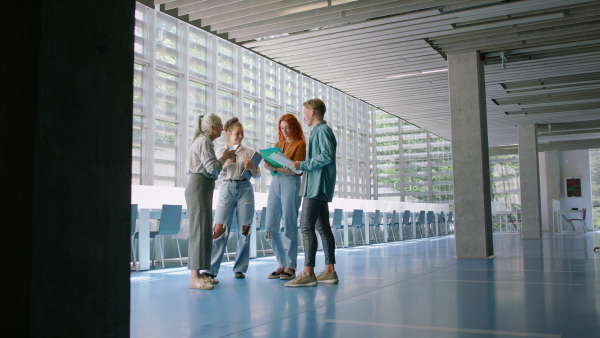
<point>336,224</point>
<point>134,216</point>
<point>407,224</point>
<point>357,223</point>
<point>430,222</point>
<point>169,223</point>
<point>420,222</point>
<point>300,237</point>
<point>450,221</point>
<point>261,221</point>
<point>375,222</point>
<point>393,221</point>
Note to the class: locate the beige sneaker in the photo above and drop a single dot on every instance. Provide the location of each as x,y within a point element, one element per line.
<point>303,280</point>
<point>203,284</point>
<point>330,278</point>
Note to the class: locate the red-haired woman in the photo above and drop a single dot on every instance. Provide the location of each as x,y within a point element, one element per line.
<point>284,200</point>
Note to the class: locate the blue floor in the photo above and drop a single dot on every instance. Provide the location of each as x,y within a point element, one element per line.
<point>534,288</point>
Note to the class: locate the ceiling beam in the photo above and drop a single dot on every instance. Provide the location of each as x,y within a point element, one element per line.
<point>556,108</point>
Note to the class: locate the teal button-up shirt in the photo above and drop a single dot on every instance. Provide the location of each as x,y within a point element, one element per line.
<point>319,166</point>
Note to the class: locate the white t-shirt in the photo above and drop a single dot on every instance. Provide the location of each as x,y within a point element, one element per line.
<point>234,171</point>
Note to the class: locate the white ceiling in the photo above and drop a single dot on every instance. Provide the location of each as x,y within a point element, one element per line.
<point>551,48</point>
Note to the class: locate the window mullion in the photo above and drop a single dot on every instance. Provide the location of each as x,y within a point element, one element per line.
<point>240,85</point>
<point>373,188</point>
<point>263,112</point>
<point>429,179</point>
<point>148,145</point>
<point>181,177</point>
<point>401,160</point>
<point>214,99</point>
<point>282,89</point>
<point>356,157</point>
<point>344,179</point>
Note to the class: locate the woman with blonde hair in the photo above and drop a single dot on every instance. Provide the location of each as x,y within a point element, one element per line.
<point>235,195</point>
<point>203,168</point>
<point>284,200</point>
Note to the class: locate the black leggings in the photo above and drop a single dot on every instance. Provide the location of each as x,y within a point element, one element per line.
<point>316,212</point>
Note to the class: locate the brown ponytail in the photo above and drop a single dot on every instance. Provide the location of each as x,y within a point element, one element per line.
<point>232,122</point>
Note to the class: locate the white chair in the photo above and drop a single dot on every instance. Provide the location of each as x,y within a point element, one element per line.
<point>580,220</point>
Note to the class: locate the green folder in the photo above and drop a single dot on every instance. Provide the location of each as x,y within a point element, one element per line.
<point>265,154</point>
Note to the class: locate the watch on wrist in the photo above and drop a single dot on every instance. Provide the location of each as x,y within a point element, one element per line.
<point>275,171</point>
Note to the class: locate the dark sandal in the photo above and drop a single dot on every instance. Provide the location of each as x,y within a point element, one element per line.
<point>274,275</point>
<point>287,275</point>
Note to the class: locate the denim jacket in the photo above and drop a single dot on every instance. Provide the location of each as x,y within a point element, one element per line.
<point>319,166</point>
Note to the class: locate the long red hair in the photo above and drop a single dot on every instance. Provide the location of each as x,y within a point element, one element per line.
<point>295,127</point>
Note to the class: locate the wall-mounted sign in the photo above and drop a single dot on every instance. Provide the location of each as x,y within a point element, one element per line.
<point>573,186</point>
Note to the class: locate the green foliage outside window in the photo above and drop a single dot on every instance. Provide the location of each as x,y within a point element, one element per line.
<point>595,180</point>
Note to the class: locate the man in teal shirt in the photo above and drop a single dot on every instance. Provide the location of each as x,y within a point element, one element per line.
<point>319,170</point>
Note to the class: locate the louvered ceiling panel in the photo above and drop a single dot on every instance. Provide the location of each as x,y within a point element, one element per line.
<point>380,51</point>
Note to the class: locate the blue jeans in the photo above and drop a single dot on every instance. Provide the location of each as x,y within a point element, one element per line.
<point>284,202</point>
<point>233,196</point>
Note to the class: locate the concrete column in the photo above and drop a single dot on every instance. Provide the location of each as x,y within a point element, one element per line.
<point>553,182</point>
<point>66,162</point>
<point>530,181</point>
<point>470,157</point>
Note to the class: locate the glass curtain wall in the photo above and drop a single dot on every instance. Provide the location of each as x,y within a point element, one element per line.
<point>410,163</point>
<point>414,165</point>
<point>181,71</point>
<point>504,172</point>
<point>595,180</point>
<point>506,185</point>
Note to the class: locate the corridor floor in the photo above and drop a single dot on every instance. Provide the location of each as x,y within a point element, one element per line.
<point>533,288</point>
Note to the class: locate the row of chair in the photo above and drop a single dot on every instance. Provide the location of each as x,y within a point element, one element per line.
<point>421,220</point>
<point>169,223</point>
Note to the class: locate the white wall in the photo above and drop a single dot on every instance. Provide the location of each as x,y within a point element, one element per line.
<point>576,163</point>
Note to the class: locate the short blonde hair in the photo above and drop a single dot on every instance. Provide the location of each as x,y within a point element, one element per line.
<point>317,105</point>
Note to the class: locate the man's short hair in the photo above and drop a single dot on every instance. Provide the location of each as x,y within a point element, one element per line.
<point>317,105</point>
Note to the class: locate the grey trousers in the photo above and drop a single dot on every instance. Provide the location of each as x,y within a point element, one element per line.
<point>199,197</point>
